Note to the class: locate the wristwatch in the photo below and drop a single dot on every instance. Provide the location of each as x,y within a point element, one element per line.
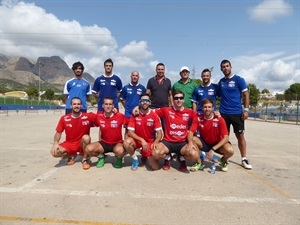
<point>246,109</point>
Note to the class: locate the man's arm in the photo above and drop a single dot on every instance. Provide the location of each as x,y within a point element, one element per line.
<point>170,98</point>
<point>148,91</point>
<point>246,105</point>
<point>194,106</point>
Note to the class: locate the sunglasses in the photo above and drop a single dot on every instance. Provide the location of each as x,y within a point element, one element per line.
<point>145,101</point>
<point>179,98</point>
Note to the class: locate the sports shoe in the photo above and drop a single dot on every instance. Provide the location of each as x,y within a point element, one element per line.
<point>119,163</point>
<point>135,164</point>
<point>246,164</point>
<point>224,166</point>
<point>182,167</point>
<point>101,162</point>
<point>167,164</point>
<point>85,164</point>
<point>196,167</point>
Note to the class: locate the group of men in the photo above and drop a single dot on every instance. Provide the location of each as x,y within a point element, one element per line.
<point>161,120</point>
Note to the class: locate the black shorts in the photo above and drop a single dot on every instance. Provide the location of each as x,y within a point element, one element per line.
<point>236,121</point>
<point>174,147</point>
<point>207,147</point>
<point>107,147</point>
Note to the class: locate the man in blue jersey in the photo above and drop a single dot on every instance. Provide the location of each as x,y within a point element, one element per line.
<point>131,93</point>
<point>77,87</point>
<point>205,90</point>
<point>107,85</point>
<point>232,90</point>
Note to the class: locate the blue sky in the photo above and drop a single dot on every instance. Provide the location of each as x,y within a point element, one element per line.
<point>259,37</point>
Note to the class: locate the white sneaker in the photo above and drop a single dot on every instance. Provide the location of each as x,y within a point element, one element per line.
<point>246,164</point>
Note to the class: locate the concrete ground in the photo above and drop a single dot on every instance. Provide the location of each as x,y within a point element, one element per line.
<point>36,188</point>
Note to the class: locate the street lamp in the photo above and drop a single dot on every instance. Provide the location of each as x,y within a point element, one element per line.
<point>39,83</point>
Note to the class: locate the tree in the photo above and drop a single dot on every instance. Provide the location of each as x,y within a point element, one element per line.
<point>279,97</point>
<point>32,92</point>
<point>49,94</point>
<point>293,92</point>
<point>198,81</point>
<point>265,91</point>
<point>253,94</point>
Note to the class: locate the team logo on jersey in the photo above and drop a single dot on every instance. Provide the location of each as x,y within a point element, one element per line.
<point>211,92</point>
<point>84,117</point>
<point>113,82</point>
<point>150,122</point>
<point>185,116</point>
<point>86,122</point>
<point>114,124</point>
<point>231,84</point>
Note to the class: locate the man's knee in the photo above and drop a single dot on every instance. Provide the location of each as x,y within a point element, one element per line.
<point>86,139</point>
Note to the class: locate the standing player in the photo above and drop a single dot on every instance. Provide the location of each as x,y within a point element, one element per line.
<point>205,90</point>
<point>186,85</point>
<point>213,136</point>
<point>175,135</point>
<point>131,93</point>
<point>140,132</point>
<point>107,85</point>
<point>77,129</point>
<point>77,87</point>
<point>159,88</point>
<point>233,89</point>
<point>111,138</point>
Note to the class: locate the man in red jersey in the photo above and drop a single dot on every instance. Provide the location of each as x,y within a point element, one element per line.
<point>111,137</point>
<point>77,129</point>
<point>213,136</point>
<point>140,132</point>
<point>175,140</point>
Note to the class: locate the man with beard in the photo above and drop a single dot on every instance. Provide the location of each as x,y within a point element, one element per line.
<point>77,87</point>
<point>140,133</point>
<point>77,129</point>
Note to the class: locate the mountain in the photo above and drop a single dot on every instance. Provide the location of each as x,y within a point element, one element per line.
<point>20,72</point>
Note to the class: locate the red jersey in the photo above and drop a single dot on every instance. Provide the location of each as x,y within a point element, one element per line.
<point>177,121</point>
<point>211,131</point>
<point>75,128</point>
<point>144,125</point>
<point>111,127</point>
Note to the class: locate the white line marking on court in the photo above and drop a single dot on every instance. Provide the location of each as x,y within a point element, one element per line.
<point>192,198</point>
<point>39,179</point>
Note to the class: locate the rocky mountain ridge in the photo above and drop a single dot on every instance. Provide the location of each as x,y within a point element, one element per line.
<point>50,70</point>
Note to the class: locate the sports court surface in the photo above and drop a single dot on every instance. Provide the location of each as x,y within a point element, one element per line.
<point>37,189</point>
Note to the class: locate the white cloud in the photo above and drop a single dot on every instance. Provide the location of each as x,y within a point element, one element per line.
<point>275,71</point>
<point>28,30</point>
<point>269,10</point>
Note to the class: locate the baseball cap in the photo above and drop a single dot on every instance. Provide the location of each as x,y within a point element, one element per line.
<point>184,68</point>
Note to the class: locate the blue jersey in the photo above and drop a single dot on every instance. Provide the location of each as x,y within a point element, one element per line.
<point>230,91</point>
<point>77,88</point>
<point>131,95</point>
<point>107,87</point>
<point>201,92</point>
